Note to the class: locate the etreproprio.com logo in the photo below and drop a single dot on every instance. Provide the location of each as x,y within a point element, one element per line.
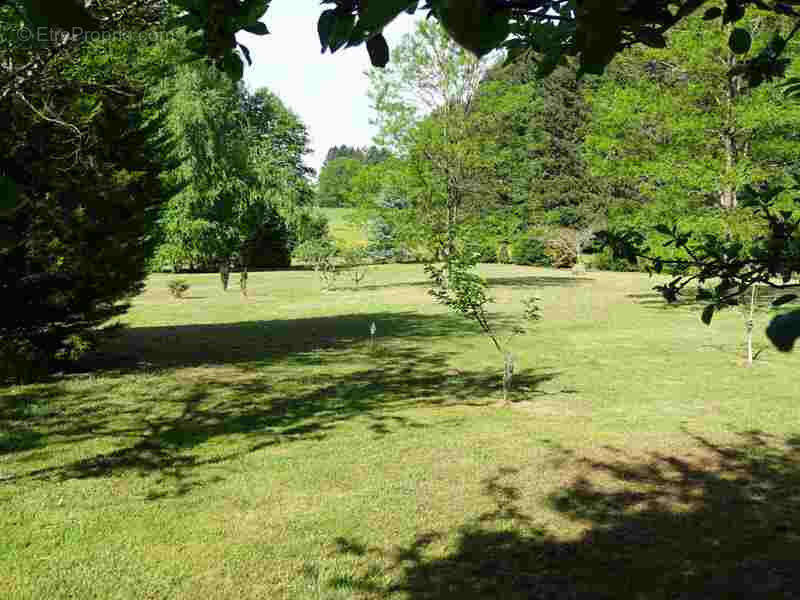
<point>43,35</point>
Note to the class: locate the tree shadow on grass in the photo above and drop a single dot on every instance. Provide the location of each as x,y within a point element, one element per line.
<point>656,300</point>
<point>532,281</point>
<point>181,428</point>
<point>539,281</point>
<point>261,342</point>
<point>721,523</point>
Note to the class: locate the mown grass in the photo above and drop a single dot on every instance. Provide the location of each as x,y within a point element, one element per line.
<point>261,447</point>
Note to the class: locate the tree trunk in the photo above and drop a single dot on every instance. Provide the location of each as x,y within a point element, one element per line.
<point>243,280</point>
<point>750,326</point>
<point>508,375</point>
<point>224,274</point>
<point>728,194</point>
<point>452,218</point>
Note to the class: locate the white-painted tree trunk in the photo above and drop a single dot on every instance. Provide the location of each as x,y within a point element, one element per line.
<point>750,326</point>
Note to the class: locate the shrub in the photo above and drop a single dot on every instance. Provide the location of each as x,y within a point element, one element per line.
<point>355,259</point>
<point>321,254</point>
<point>268,248</point>
<point>561,248</point>
<point>605,261</point>
<point>487,252</point>
<point>384,245</point>
<point>307,226</point>
<point>530,250</point>
<point>76,247</point>
<point>178,287</point>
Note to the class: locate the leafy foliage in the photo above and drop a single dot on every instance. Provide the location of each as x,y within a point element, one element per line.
<point>771,259</point>
<point>595,30</point>
<point>339,171</point>
<point>355,261</point>
<point>322,255</point>
<point>335,182</point>
<point>457,286</point>
<point>241,180</point>
<point>77,142</point>
<point>530,249</point>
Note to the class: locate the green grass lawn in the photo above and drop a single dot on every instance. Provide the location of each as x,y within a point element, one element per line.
<point>261,447</point>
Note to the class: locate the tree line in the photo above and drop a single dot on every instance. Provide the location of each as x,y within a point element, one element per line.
<point>104,166</point>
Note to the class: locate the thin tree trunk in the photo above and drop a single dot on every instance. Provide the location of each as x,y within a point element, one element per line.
<point>224,274</point>
<point>508,375</point>
<point>750,327</point>
<point>728,194</point>
<point>243,279</point>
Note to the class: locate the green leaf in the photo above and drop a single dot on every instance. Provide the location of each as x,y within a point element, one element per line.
<point>9,195</point>
<point>252,11</point>
<point>257,29</point>
<point>246,53</point>
<point>708,314</point>
<point>197,44</point>
<point>474,30</point>
<point>661,228</point>
<point>191,21</point>
<point>232,65</point>
<point>378,15</point>
<point>704,294</point>
<point>733,12</point>
<point>740,41</point>
<point>784,330</point>
<point>785,299</point>
<point>378,51</point>
<point>66,14</point>
<point>325,26</point>
<point>342,28</point>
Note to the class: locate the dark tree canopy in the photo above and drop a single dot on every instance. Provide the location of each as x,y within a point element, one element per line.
<point>78,145</point>
<point>595,30</point>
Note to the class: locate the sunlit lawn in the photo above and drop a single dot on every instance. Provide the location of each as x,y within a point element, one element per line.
<point>264,447</point>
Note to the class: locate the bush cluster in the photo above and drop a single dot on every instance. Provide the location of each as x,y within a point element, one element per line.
<point>529,249</point>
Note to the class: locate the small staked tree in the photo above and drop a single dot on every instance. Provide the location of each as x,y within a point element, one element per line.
<point>457,286</point>
<point>322,255</point>
<point>355,261</point>
<point>758,300</point>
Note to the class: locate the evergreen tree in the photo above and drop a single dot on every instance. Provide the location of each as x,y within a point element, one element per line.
<point>78,143</point>
<point>541,128</point>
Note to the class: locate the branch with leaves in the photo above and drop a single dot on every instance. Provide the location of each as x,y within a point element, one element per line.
<point>772,260</point>
<point>458,287</point>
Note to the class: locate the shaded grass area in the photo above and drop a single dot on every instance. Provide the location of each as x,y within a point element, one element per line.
<point>266,447</point>
<point>720,522</point>
<point>172,420</point>
<point>261,342</point>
